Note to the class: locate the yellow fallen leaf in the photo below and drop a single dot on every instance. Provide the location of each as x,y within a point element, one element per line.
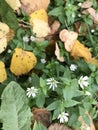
<point>3,44</point>
<point>41,28</point>
<point>4,29</point>
<point>79,50</point>
<point>3,74</point>
<point>39,14</point>
<point>14,4</point>
<point>57,53</point>
<point>22,62</point>
<point>30,6</point>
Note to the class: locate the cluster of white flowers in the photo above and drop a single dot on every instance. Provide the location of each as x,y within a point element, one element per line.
<point>83,81</point>
<point>27,39</point>
<point>31,92</point>
<point>52,83</point>
<point>63,117</point>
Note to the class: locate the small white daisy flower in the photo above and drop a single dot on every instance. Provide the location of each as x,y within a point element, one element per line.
<point>63,117</point>
<point>73,67</point>
<point>87,93</point>
<point>83,81</point>
<point>26,39</point>
<point>32,92</point>
<point>52,83</point>
<point>43,61</point>
<point>69,5</point>
<point>32,38</point>
<point>92,30</point>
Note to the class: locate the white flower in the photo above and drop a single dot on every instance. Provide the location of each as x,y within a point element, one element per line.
<point>32,38</point>
<point>87,93</point>
<point>32,92</point>
<point>79,15</point>
<point>80,4</point>
<point>52,83</point>
<point>63,117</point>
<point>26,39</point>
<point>92,30</point>
<point>83,81</point>
<point>43,61</point>
<point>73,67</point>
<point>9,51</point>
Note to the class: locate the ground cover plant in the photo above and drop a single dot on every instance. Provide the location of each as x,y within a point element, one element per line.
<point>48,65</point>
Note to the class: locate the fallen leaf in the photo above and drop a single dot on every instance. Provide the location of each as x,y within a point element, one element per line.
<point>40,28</point>
<point>68,37</point>
<point>30,6</point>
<point>3,44</point>
<point>57,126</point>
<point>79,50</point>
<point>4,29</point>
<point>84,125</point>
<point>57,53</point>
<point>93,13</point>
<point>87,4</point>
<point>39,14</point>
<point>42,115</point>
<point>10,35</point>
<point>55,26</point>
<point>14,4</point>
<point>22,62</point>
<point>3,74</point>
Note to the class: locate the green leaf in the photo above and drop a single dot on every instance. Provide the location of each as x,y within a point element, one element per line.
<point>40,99</point>
<point>39,126</point>
<point>70,103</point>
<point>57,11</point>
<point>7,15</point>
<point>53,105</point>
<point>15,113</point>
<point>43,86</point>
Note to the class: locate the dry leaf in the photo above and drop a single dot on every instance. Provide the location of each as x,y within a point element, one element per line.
<point>39,14</point>
<point>79,50</point>
<point>32,5</point>
<point>22,62</point>
<point>4,29</point>
<point>14,4</point>
<point>3,44</point>
<point>94,62</point>
<point>57,126</point>
<point>42,115</point>
<point>68,37</point>
<point>40,28</point>
<point>93,13</point>
<point>87,4</point>
<point>57,53</point>
<point>84,125</point>
<point>3,74</point>
<point>55,26</point>
<point>10,35</point>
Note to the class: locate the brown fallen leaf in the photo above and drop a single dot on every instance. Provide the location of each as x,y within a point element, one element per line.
<point>84,125</point>
<point>87,4</point>
<point>55,26</point>
<point>57,126</point>
<point>57,53</point>
<point>42,115</point>
<point>93,13</point>
<point>68,37</point>
<point>30,6</point>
